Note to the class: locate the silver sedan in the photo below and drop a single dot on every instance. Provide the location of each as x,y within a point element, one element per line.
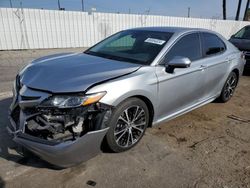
<point>65,106</point>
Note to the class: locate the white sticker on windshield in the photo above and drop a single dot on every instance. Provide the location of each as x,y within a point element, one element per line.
<point>155,41</point>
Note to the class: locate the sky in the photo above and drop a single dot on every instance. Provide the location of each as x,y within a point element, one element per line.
<point>198,8</point>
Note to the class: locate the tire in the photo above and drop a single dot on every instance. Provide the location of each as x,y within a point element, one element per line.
<point>127,124</point>
<point>229,87</point>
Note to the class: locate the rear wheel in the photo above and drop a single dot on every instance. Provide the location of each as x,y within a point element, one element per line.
<point>229,87</point>
<point>127,125</point>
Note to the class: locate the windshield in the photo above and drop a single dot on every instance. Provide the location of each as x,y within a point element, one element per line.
<point>244,33</point>
<point>135,46</point>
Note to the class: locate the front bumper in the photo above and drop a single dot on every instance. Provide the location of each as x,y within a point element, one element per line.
<point>63,154</point>
<point>60,153</point>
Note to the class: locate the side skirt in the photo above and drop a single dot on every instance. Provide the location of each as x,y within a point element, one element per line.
<point>185,110</point>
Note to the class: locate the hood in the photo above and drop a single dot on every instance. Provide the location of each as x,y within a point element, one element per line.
<point>72,72</point>
<point>241,44</point>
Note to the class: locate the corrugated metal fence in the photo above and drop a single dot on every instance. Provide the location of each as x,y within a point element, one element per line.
<point>39,29</point>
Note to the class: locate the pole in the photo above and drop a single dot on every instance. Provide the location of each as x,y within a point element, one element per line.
<point>11,4</point>
<point>59,6</point>
<point>238,10</point>
<point>224,6</point>
<point>189,12</point>
<point>82,6</point>
<point>247,6</point>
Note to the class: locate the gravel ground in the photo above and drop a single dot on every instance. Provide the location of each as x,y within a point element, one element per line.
<point>207,147</point>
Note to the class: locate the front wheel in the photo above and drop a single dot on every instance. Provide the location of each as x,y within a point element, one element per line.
<point>127,125</point>
<point>229,87</point>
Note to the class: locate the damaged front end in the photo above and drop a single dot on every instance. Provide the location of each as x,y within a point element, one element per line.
<point>63,130</point>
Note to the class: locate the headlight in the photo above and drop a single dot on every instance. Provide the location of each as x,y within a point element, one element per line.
<point>69,101</point>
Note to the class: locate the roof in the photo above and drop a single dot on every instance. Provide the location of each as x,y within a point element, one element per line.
<point>169,29</point>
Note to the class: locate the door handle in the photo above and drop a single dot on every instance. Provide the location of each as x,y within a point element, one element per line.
<point>203,67</point>
<point>229,60</point>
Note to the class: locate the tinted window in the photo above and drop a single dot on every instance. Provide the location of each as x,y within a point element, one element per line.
<point>135,46</point>
<point>188,46</point>
<point>212,44</point>
<point>123,43</point>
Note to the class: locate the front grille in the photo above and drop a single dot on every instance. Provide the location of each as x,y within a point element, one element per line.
<point>27,98</point>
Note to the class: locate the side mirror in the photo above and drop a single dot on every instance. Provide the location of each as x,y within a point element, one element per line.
<point>177,62</point>
<point>233,36</point>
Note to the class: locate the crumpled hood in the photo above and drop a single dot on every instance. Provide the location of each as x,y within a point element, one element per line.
<point>72,72</point>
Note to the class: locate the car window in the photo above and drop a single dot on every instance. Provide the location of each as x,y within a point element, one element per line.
<point>212,44</point>
<point>124,43</point>
<point>135,46</point>
<point>188,46</point>
<point>244,33</point>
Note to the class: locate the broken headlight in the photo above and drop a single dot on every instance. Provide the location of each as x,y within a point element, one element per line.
<point>71,101</point>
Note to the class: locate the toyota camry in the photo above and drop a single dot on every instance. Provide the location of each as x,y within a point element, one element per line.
<point>66,106</point>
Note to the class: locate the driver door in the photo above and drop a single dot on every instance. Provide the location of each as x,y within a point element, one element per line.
<point>185,86</point>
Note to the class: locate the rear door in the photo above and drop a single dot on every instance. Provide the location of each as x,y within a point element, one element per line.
<point>216,62</point>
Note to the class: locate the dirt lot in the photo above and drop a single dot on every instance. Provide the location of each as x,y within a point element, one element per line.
<point>204,148</point>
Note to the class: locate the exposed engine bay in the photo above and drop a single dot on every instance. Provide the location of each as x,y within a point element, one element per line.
<point>61,125</point>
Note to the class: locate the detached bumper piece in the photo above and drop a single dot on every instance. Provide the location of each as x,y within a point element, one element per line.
<point>63,137</point>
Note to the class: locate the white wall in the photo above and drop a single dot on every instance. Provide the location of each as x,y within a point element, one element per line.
<point>36,29</point>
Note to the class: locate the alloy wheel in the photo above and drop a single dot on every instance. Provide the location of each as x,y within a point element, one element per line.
<point>230,86</point>
<point>130,126</point>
